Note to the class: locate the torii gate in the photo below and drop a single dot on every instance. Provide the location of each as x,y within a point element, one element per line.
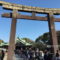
<point>15,15</point>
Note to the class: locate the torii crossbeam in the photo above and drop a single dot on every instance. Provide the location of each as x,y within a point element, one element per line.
<point>29,8</point>
<point>37,18</point>
<point>15,15</point>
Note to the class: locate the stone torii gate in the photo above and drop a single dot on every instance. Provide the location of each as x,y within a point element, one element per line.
<point>33,10</point>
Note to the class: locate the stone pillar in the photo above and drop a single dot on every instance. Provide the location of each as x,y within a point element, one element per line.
<point>12,37</point>
<point>53,36</point>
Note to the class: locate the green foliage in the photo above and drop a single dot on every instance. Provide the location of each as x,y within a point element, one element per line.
<point>39,45</point>
<point>44,38</point>
<point>1,41</point>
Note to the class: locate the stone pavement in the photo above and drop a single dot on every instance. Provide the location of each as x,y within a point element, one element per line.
<point>14,58</point>
<point>5,57</point>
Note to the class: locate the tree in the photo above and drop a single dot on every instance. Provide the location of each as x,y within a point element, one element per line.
<point>1,41</point>
<point>45,38</point>
<point>39,45</point>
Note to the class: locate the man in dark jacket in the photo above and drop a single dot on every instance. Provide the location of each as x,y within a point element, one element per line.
<point>45,55</point>
<point>2,57</point>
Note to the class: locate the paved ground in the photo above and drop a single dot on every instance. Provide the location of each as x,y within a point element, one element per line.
<point>14,58</point>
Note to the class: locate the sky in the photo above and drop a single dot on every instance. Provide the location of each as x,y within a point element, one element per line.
<point>27,28</point>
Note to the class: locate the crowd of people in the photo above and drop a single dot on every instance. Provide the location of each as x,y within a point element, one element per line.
<point>30,54</point>
<point>36,54</point>
<point>33,54</point>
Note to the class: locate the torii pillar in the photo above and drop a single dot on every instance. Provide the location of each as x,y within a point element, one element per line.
<point>11,47</point>
<point>53,36</point>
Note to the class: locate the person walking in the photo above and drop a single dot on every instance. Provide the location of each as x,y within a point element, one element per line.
<point>2,56</point>
<point>37,54</point>
<point>46,55</point>
<point>57,55</point>
<point>33,54</point>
